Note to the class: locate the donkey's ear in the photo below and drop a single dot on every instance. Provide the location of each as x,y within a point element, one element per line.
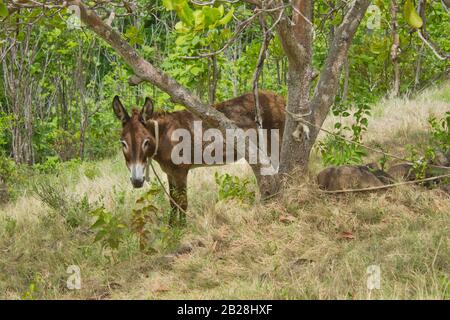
<point>147,109</point>
<point>119,110</point>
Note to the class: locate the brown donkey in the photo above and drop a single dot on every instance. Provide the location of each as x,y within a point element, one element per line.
<point>147,134</point>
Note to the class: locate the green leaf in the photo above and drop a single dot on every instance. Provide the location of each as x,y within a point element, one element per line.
<point>98,223</point>
<point>227,17</point>
<point>184,12</point>
<point>134,36</point>
<point>199,20</point>
<point>212,15</point>
<point>21,36</point>
<point>3,10</point>
<point>411,16</point>
<point>180,26</point>
<point>195,71</point>
<point>181,40</point>
<point>168,4</point>
<point>100,235</point>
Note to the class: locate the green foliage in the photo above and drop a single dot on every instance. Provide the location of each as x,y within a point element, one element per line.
<point>50,165</point>
<point>110,228</point>
<point>91,171</point>
<point>33,288</point>
<point>233,187</point>
<point>335,149</point>
<point>3,9</point>
<point>151,227</point>
<point>56,196</point>
<point>10,226</point>
<point>411,16</point>
<point>440,132</point>
<point>144,214</point>
<point>8,170</point>
<point>421,162</point>
<point>134,36</point>
<point>439,141</point>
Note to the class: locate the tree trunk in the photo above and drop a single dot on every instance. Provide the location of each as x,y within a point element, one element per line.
<point>306,115</point>
<point>19,88</point>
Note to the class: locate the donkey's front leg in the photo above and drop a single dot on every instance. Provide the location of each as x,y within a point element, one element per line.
<point>178,193</point>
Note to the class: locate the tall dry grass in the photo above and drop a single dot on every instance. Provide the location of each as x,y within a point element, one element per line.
<point>301,245</point>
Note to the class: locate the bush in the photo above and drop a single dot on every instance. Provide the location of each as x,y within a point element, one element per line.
<point>339,150</point>
<point>232,187</point>
<point>440,132</point>
<point>56,197</point>
<point>438,142</point>
<point>152,227</point>
<point>110,228</point>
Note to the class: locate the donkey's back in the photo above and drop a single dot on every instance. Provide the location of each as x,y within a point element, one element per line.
<point>242,110</point>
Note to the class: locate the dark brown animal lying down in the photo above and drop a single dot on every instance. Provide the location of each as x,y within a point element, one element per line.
<point>139,131</point>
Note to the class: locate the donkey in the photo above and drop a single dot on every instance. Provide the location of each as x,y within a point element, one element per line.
<point>147,135</point>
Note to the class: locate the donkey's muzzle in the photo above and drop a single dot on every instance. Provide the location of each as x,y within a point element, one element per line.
<point>137,183</point>
<point>137,175</point>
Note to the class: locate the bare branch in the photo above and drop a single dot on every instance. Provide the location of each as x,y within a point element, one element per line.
<point>259,66</point>
<point>329,78</point>
<point>424,36</point>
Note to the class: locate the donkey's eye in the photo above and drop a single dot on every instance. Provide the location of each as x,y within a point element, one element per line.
<point>124,144</point>
<point>145,144</point>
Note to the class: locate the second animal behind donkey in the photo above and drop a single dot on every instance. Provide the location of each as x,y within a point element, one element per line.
<point>147,134</point>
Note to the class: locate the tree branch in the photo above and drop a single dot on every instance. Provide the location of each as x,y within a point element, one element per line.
<point>145,71</point>
<point>328,83</point>
<point>259,66</point>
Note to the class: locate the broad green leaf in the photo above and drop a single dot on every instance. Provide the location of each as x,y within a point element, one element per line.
<point>185,13</point>
<point>180,26</point>
<point>411,16</point>
<point>98,223</point>
<point>181,40</point>
<point>195,71</point>
<point>168,4</point>
<point>212,15</point>
<point>221,10</point>
<point>227,17</point>
<point>199,20</point>
<point>3,9</point>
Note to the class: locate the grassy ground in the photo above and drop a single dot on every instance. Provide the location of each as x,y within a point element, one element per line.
<point>302,245</point>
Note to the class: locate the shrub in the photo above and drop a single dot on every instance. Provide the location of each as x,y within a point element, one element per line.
<point>151,227</point>
<point>233,187</point>
<point>74,211</point>
<point>10,225</point>
<point>336,150</point>
<point>110,229</point>
<point>440,132</point>
<point>438,142</point>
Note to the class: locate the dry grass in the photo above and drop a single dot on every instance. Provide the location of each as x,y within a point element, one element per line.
<point>302,245</point>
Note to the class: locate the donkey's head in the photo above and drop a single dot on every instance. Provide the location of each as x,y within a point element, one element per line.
<point>138,143</point>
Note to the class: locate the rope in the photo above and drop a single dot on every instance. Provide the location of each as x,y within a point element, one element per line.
<point>150,164</point>
<point>300,118</point>
<point>386,185</point>
<point>165,190</point>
